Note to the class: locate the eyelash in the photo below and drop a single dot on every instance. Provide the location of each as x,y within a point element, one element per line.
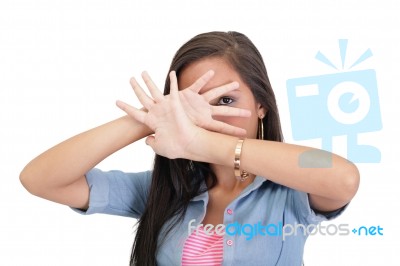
<point>221,100</point>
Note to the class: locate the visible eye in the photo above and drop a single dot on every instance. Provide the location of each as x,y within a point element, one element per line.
<point>225,100</point>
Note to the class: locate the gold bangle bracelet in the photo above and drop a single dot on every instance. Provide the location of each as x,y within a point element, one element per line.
<point>240,175</point>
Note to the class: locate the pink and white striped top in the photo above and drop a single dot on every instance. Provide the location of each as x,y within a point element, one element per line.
<point>203,249</point>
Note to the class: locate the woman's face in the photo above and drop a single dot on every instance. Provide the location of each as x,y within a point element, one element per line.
<point>239,98</point>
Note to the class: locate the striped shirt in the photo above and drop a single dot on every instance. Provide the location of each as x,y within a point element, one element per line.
<point>203,249</point>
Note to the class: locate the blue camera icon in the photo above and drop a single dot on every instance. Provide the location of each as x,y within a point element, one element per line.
<point>345,103</point>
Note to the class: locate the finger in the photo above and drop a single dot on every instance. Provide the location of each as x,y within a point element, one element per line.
<point>141,95</point>
<point>150,141</point>
<point>173,90</point>
<point>219,91</point>
<point>229,111</point>
<point>200,82</point>
<point>225,128</point>
<point>137,114</point>
<point>154,91</point>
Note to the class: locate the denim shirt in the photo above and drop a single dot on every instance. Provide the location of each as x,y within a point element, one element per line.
<point>267,224</point>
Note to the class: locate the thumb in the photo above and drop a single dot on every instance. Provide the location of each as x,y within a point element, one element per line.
<point>150,141</point>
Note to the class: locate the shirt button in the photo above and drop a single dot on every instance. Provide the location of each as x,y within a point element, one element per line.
<point>229,242</point>
<point>229,211</point>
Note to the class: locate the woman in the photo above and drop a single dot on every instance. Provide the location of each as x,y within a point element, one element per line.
<point>219,160</point>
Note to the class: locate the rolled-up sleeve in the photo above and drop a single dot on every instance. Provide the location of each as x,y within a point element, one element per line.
<point>117,193</point>
<point>306,214</point>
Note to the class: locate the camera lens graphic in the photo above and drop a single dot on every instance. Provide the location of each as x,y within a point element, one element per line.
<point>348,102</point>
<point>344,103</point>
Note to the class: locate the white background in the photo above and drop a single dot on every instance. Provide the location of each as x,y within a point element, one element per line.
<point>64,63</point>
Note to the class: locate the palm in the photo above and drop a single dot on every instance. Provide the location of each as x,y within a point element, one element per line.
<point>198,108</point>
<point>177,118</point>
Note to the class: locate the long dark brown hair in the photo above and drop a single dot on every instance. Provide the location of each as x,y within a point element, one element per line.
<point>176,182</point>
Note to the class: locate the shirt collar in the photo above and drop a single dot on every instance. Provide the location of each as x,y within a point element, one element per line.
<point>257,182</point>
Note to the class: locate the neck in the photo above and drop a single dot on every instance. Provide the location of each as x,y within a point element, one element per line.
<point>226,179</point>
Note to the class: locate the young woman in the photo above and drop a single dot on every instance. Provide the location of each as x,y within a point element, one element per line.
<point>224,185</point>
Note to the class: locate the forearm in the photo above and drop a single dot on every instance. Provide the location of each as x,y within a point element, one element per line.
<point>66,162</point>
<point>327,177</point>
<point>302,168</point>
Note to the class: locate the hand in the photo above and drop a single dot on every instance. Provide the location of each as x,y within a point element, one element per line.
<point>177,118</point>
<point>173,130</point>
<point>197,106</point>
<point>201,112</point>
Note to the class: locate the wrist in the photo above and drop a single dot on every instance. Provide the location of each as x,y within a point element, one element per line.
<point>133,129</point>
<point>212,147</point>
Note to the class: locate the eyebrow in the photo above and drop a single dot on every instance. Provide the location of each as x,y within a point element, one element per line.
<point>235,91</point>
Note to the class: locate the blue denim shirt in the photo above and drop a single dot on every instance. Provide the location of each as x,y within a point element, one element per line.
<point>255,221</point>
